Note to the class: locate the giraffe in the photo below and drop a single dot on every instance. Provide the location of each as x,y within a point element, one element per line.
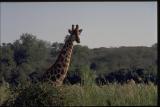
<point>57,72</point>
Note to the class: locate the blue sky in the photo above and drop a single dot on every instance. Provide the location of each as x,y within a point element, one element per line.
<point>104,24</point>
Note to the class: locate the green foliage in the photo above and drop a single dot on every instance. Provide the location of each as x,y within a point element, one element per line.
<point>6,61</point>
<point>40,94</point>
<point>23,57</point>
<point>87,76</point>
<point>36,51</point>
<point>113,59</point>
<point>80,57</point>
<point>5,92</point>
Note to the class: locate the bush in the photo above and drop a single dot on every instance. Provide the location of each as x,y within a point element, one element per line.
<point>87,76</point>
<point>39,94</point>
<point>4,93</point>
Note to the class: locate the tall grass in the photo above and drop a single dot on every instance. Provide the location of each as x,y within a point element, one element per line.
<point>89,94</point>
<point>77,95</point>
<point>112,94</point>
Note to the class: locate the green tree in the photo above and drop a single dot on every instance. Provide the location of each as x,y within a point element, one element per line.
<point>6,60</point>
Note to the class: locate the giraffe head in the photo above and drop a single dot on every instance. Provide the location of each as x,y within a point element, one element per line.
<point>75,32</point>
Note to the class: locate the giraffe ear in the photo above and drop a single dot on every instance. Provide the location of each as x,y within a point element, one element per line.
<point>69,30</point>
<point>80,31</point>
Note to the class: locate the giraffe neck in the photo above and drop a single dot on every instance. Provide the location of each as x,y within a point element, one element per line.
<point>65,56</point>
<point>58,71</point>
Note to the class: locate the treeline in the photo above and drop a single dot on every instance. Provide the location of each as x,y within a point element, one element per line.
<point>26,59</point>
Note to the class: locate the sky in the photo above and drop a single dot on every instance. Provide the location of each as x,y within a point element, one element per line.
<point>104,24</point>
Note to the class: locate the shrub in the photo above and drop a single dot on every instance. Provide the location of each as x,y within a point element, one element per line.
<point>4,93</point>
<point>39,94</point>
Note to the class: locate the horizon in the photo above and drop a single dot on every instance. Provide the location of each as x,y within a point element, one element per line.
<point>104,24</point>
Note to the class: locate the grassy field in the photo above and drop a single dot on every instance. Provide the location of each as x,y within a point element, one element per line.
<point>76,95</point>
<point>113,94</point>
